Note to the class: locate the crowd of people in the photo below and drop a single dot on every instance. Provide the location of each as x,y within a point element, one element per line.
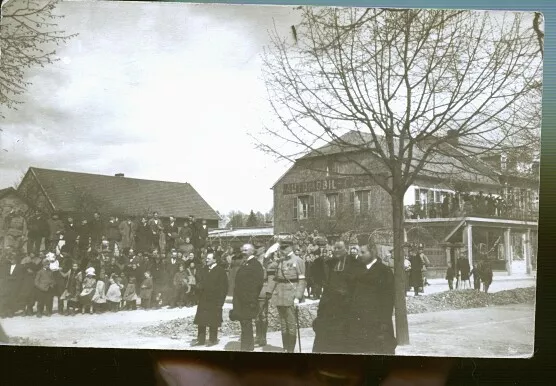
<point>459,204</point>
<point>100,266</point>
<point>94,269</point>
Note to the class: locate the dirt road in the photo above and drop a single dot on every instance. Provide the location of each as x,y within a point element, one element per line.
<point>485,332</point>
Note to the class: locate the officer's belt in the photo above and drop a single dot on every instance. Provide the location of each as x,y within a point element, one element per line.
<point>286,280</point>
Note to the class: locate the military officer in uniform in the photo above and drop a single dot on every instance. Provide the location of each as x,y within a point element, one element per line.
<point>287,290</point>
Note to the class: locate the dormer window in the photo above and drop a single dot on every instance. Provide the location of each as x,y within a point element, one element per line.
<point>331,167</point>
<point>503,162</point>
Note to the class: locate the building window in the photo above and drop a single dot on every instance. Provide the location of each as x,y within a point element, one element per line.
<point>332,201</point>
<point>361,201</point>
<point>421,196</point>
<point>303,207</point>
<point>331,167</point>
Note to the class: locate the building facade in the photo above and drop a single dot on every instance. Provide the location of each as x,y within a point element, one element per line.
<point>81,194</point>
<point>481,211</point>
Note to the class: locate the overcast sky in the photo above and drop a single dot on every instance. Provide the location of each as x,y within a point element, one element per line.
<point>160,91</point>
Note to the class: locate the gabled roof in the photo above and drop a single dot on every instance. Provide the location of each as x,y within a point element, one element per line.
<point>447,160</point>
<point>122,195</point>
<point>6,191</point>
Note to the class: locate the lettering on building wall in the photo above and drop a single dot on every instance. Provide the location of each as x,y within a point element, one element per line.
<point>328,184</point>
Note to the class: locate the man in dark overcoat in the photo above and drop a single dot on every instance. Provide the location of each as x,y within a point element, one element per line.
<point>370,326</point>
<point>247,287</point>
<point>416,272</point>
<point>212,289</point>
<point>330,325</point>
<point>96,231</point>
<point>11,278</point>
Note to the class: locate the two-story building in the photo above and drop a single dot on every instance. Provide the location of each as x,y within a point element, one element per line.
<point>459,203</point>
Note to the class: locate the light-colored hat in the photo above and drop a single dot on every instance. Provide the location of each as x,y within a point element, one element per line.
<point>90,271</point>
<point>50,256</point>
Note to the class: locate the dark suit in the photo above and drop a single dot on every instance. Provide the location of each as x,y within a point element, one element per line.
<point>247,287</point>
<point>202,235</point>
<point>10,285</point>
<point>37,231</point>
<point>370,326</point>
<point>212,289</point>
<point>330,325</point>
<point>70,235</point>
<point>171,231</point>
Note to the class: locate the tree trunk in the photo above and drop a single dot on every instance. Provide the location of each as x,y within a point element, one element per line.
<point>402,329</point>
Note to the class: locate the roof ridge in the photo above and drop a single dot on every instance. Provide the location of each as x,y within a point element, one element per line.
<point>107,175</point>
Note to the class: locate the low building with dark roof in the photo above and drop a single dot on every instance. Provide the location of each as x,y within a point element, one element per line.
<point>327,191</point>
<point>81,194</point>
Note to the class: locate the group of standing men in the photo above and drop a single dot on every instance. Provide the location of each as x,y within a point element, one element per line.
<point>355,310</point>
<point>97,233</point>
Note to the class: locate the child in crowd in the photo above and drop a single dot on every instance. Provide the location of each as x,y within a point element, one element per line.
<point>146,291</point>
<point>123,283</point>
<point>486,276</point>
<point>180,283</point>
<point>44,283</point>
<point>72,290</point>
<point>191,294</point>
<point>114,293</point>
<point>99,298</point>
<point>450,276</point>
<point>88,291</point>
<point>476,277</point>
<point>130,295</point>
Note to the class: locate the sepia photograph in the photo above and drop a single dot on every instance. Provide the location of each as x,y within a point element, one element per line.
<point>296,179</point>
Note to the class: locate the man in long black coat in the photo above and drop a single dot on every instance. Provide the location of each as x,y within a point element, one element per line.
<point>370,326</point>
<point>330,325</point>
<point>11,278</point>
<point>247,287</point>
<point>211,291</point>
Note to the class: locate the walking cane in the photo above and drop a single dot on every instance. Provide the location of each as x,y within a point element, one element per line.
<point>297,323</point>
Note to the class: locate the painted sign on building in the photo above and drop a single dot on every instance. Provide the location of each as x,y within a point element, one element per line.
<point>327,184</point>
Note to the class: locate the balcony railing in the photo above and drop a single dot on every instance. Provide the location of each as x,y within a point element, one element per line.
<point>437,210</point>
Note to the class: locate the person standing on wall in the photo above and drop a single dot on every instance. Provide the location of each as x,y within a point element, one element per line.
<point>247,287</point>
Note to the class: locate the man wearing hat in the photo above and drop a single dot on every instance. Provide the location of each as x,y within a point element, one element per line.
<point>247,287</point>
<point>287,289</point>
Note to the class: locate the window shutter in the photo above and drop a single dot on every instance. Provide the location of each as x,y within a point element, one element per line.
<point>352,201</point>
<point>311,213</point>
<point>318,202</point>
<point>340,207</point>
<point>295,209</point>
<point>366,204</point>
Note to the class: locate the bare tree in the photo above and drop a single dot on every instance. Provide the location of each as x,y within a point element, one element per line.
<point>405,83</point>
<point>29,34</point>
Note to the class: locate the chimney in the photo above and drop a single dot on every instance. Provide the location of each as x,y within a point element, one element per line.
<point>452,137</point>
<point>119,175</point>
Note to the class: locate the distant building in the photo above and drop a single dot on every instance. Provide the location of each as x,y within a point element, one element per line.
<point>237,237</point>
<point>81,194</point>
<point>324,190</point>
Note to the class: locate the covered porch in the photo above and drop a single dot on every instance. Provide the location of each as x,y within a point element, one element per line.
<point>510,245</point>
